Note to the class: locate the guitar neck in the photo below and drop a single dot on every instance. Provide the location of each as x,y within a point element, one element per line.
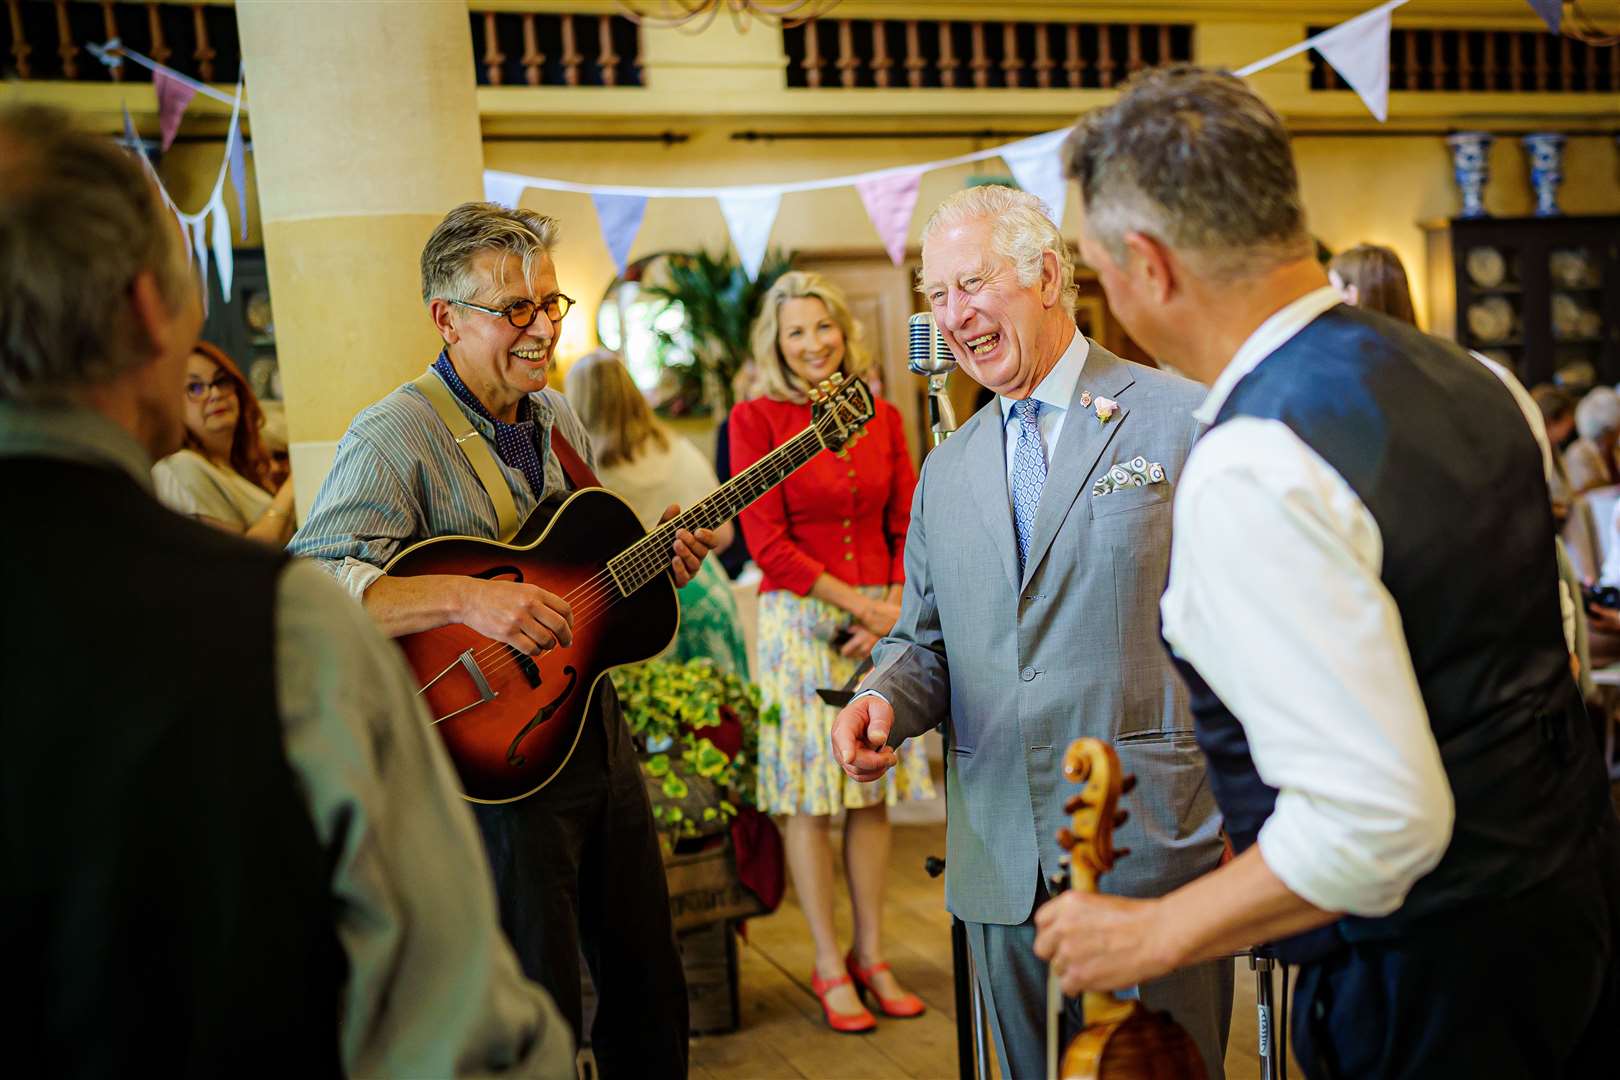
<point>650,556</point>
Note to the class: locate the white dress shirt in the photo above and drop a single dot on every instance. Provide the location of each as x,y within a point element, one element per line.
<point>1276,597</point>
<point>1054,392</point>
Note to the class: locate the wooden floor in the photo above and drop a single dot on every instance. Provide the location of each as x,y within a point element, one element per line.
<point>783,1035</point>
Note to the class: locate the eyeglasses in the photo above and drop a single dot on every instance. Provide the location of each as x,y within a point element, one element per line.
<point>197,390</point>
<point>522,313</point>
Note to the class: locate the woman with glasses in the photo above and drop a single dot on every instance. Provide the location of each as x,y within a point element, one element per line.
<point>223,474</point>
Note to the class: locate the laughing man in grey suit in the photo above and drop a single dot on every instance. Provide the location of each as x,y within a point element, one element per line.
<point>1039,541</point>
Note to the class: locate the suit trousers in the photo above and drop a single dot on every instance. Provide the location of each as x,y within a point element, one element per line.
<point>1013,981</point>
<point>578,869</point>
<point>1522,988</point>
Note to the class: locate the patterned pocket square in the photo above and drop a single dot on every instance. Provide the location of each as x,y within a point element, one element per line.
<point>1137,472</point>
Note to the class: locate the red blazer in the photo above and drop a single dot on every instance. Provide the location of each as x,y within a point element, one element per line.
<point>842,517</point>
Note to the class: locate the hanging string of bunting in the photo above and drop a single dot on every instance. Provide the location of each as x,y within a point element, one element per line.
<point>1357,49</point>
<point>208,229</point>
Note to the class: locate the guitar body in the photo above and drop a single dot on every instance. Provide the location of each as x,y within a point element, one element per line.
<point>512,732</point>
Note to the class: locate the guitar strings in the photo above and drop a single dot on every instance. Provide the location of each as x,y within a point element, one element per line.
<point>599,590</point>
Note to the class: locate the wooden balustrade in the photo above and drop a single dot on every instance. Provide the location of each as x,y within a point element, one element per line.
<point>984,55</point>
<point>46,40</point>
<point>1488,61</point>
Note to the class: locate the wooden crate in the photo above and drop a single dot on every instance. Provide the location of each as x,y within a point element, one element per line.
<point>703,888</point>
<point>709,957</point>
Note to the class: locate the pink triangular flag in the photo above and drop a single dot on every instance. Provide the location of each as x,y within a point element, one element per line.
<point>890,197</point>
<point>172,98</point>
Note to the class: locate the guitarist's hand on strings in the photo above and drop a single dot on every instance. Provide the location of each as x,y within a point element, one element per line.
<point>526,617</point>
<point>690,549</point>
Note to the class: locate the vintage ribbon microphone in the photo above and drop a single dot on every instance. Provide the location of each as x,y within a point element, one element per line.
<point>927,354</point>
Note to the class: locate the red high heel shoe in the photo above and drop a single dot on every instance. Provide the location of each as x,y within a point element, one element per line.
<point>856,1023</point>
<point>903,1007</point>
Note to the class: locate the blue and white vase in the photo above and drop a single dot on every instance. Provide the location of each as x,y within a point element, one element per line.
<point>1470,164</point>
<point>1546,152</point>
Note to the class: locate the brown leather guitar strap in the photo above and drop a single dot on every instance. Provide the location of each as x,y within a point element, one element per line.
<point>579,474</point>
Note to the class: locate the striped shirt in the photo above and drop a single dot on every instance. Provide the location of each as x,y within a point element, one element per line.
<point>399,477</point>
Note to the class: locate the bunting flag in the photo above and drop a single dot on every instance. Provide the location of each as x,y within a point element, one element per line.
<point>172,98</point>
<point>1038,168</point>
<point>890,197</point>
<point>750,213</point>
<point>620,217</point>
<point>503,189</point>
<point>223,256</point>
<point>1357,49</point>
<point>1551,12</point>
<point>131,139</point>
<point>236,155</point>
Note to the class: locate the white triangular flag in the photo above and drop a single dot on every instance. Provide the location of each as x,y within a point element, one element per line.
<point>1037,165</point>
<point>503,188</point>
<point>750,213</point>
<point>1359,52</point>
<point>199,247</point>
<point>223,256</point>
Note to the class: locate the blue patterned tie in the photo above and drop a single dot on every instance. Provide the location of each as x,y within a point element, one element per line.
<point>1028,475</point>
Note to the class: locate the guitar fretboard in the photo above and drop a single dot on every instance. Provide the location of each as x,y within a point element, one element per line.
<point>650,556</point>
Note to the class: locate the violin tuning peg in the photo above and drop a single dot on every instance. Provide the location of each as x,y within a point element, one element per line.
<point>1120,853</point>
<point>1121,818</point>
<point>1073,803</point>
<point>1065,838</point>
<point>1128,785</point>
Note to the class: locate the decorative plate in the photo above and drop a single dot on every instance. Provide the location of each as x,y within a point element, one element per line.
<point>1486,267</point>
<point>1490,319</point>
<point>1572,268</point>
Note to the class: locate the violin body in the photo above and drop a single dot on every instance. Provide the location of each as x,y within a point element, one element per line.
<point>1123,1040</point>
<point>1139,1044</point>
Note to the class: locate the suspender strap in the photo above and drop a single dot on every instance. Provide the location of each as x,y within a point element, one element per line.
<point>476,449</point>
<point>579,474</point>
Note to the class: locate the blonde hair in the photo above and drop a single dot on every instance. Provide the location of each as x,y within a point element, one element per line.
<point>773,378</point>
<point>611,407</point>
<point>1020,232</point>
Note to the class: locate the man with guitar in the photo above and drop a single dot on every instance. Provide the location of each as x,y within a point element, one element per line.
<point>231,846</point>
<point>1362,570</point>
<point>469,449</point>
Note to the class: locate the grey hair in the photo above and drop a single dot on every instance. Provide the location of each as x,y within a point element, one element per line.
<point>1598,414</point>
<point>1021,232</point>
<point>1193,158</point>
<point>472,229</point>
<point>80,220</point>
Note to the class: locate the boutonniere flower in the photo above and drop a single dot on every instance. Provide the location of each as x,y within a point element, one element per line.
<point>1106,408</point>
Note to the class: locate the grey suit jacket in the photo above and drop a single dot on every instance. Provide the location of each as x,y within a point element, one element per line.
<point>1016,670</point>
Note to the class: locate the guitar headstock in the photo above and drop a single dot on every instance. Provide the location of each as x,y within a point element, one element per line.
<point>1089,837</point>
<point>839,409</point>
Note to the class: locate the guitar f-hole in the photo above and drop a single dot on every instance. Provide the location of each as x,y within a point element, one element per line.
<point>517,760</point>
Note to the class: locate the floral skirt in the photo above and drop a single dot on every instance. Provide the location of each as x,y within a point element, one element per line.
<point>797,772</point>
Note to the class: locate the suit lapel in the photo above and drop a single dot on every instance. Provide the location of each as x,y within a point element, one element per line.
<point>1079,447</point>
<point>987,479</point>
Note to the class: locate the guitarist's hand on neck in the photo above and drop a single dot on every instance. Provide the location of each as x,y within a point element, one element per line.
<point>690,549</point>
<point>526,617</point>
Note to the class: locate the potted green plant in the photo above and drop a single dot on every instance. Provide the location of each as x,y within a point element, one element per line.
<point>719,302</point>
<point>678,711</point>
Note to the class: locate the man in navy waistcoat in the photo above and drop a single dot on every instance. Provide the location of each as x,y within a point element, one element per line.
<point>1363,599</point>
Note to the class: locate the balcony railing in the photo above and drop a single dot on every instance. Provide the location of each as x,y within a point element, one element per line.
<point>926,55</point>
<point>1488,61</point>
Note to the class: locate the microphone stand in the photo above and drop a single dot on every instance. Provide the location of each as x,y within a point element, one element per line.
<point>972,1029</point>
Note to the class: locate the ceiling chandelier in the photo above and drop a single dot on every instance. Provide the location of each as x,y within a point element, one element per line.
<point>1581,26</point>
<point>695,16</point>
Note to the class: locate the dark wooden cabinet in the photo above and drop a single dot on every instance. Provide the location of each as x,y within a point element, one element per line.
<point>243,325</point>
<point>1534,293</point>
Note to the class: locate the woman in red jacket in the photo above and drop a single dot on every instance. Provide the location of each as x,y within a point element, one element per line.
<point>831,544</point>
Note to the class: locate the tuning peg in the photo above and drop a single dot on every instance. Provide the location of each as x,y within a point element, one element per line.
<point>837,378</point>
<point>1074,802</point>
<point>1128,784</point>
<point>1120,853</point>
<point>1066,839</point>
<point>814,395</point>
<point>1121,817</point>
<point>825,385</point>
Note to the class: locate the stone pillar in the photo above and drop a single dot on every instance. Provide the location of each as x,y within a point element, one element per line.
<point>364,126</point>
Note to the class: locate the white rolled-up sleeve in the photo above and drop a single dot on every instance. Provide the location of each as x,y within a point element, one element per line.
<point>1276,598</point>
